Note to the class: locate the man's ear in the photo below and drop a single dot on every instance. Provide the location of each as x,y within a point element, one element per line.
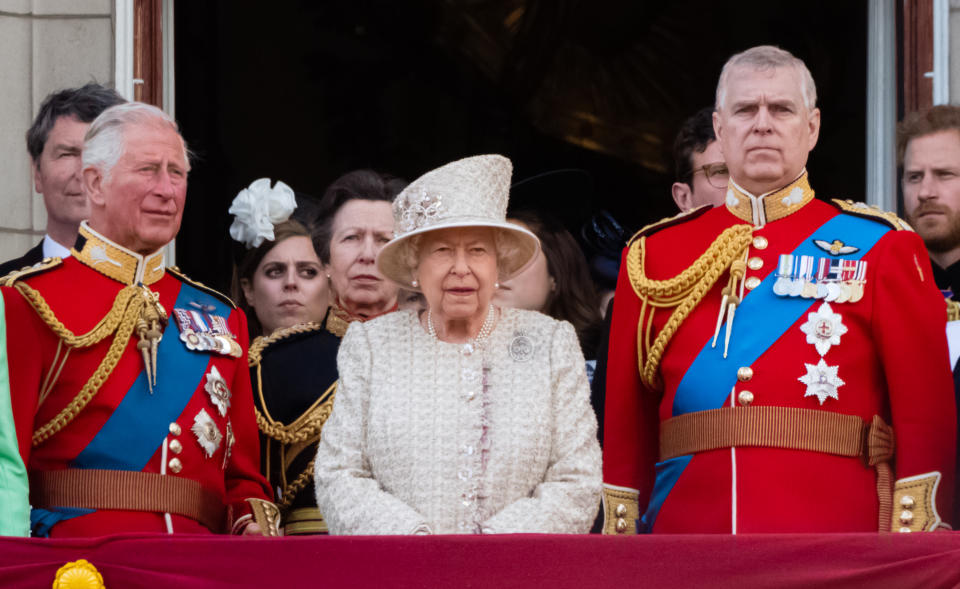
<point>814,127</point>
<point>717,127</point>
<point>682,195</point>
<point>93,186</point>
<point>37,178</point>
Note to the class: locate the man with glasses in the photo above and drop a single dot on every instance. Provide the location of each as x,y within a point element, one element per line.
<point>776,363</point>
<point>701,172</point>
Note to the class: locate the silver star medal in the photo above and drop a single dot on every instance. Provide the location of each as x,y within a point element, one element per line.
<point>824,328</point>
<point>822,381</point>
<point>217,388</point>
<point>208,436</point>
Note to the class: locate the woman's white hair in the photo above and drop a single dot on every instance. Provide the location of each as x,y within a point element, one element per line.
<point>504,243</point>
<point>765,57</point>
<point>104,142</point>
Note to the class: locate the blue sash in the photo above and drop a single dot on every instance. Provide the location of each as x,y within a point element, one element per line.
<point>139,424</point>
<point>761,319</point>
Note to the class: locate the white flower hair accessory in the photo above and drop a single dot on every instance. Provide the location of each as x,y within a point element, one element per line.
<point>257,208</point>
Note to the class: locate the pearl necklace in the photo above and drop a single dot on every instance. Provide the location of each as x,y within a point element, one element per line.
<point>482,335</point>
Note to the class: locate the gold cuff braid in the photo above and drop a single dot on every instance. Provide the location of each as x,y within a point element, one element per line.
<point>684,291</point>
<point>620,511</point>
<point>953,310</point>
<point>914,503</point>
<point>266,515</point>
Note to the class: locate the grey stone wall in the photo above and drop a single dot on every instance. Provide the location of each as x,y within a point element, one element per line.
<point>46,45</point>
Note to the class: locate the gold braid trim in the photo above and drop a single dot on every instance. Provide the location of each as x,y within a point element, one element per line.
<point>307,426</point>
<point>296,486</point>
<point>120,320</point>
<point>259,344</point>
<point>684,291</point>
<point>101,330</point>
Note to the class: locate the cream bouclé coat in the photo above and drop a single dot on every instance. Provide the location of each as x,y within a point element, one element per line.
<point>432,437</point>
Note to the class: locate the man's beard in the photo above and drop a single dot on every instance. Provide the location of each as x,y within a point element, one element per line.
<point>941,239</point>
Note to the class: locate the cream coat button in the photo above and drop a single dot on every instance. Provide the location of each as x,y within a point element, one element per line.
<point>752,283</point>
<point>744,373</point>
<point>175,429</point>
<point>175,465</point>
<point>754,263</point>
<point>907,502</point>
<point>621,510</point>
<point>621,525</point>
<point>745,398</point>
<point>760,242</point>
<point>176,447</point>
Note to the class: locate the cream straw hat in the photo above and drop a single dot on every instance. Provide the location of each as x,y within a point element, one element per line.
<point>471,192</point>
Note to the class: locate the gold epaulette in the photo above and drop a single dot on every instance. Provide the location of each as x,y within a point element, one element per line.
<point>38,268</point>
<point>260,343</point>
<point>683,292</point>
<point>862,209</point>
<point>669,222</point>
<point>953,310</point>
<point>176,273</point>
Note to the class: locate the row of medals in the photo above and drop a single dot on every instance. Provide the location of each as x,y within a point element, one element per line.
<point>794,282</point>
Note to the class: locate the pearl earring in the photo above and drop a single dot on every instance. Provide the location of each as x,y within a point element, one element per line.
<point>414,283</point>
<point>496,285</point>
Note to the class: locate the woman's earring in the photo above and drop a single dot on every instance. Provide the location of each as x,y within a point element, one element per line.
<point>414,283</point>
<point>496,285</point>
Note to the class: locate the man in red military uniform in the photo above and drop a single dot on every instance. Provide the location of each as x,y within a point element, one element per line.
<point>129,384</point>
<point>776,364</point>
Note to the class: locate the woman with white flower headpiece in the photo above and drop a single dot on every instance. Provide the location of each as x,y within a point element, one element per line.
<point>463,418</point>
<point>281,285</point>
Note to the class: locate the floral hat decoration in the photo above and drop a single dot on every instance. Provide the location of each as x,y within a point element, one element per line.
<point>257,208</point>
<point>471,192</point>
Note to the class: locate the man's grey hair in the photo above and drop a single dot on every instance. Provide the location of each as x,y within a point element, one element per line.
<point>766,57</point>
<point>104,143</point>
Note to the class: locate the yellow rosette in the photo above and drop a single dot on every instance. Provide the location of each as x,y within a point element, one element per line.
<point>79,574</point>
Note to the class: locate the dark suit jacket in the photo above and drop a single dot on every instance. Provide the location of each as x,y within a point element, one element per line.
<point>28,259</point>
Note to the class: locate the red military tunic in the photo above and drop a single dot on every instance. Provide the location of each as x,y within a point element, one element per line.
<point>196,422</point>
<point>888,359</point>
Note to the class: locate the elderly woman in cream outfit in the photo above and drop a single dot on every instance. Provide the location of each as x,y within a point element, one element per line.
<point>464,418</point>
